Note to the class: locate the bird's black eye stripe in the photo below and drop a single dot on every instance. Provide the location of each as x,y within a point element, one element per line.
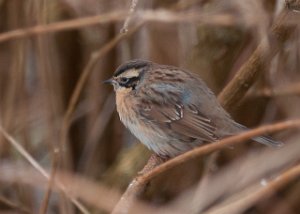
<point>128,82</point>
<point>124,80</point>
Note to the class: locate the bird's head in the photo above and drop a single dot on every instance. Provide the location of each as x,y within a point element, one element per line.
<point>128,75</point>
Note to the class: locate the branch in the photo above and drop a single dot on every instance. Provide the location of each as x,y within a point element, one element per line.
<point>247,74</point>
<point>293,5</point>
<point>242,203</point>
<point>138,184</point>
<point>133,5</point>
<point>95,57</point>
<point>224,143</point>
<point>162,16</point>
<point>135,188</point>
<point>288,90</point>
<point>39,168</point>
<point>63,25</point>
<point>46,199</point>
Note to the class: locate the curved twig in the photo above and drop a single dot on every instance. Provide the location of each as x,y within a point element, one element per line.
<point>138,184</point>
<point>241,204</point>
<point>82,80</point>
<point>40,169</point>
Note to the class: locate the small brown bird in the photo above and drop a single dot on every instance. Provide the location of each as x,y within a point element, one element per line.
<point>169,109</point>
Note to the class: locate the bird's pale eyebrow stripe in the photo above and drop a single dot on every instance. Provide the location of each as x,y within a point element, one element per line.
<point>131,65</point>
<point>130,73</point>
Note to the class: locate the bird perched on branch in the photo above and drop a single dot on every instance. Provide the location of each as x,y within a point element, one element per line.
<point>171,110</point>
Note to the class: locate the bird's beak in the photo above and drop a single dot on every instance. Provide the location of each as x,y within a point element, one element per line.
<point>109,81</point>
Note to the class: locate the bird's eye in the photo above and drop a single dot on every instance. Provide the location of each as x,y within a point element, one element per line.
<point>124,80</point>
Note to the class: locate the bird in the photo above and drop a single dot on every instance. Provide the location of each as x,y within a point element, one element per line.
<point>171,110</point>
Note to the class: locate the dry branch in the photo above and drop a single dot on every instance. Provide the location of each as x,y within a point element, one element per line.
<point>224,143</point>
<point>39,168</point>
<point>162,16</point>
<point>63,25</point>
<point>138,184</point>
<point>239,205</point>
<point>246,76</point>
<point>14,205</point>
<point>91,192</point>
<point>293,4</point>
<point>289,90</point>
<point>45,202</point>
<point>95,57</point>
<point>233,186</point>
<point>127,20</point>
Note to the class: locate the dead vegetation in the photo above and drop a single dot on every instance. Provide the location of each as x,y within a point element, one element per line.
<point>62,147</point>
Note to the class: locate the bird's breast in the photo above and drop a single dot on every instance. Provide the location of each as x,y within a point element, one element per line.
<point>146,132</point>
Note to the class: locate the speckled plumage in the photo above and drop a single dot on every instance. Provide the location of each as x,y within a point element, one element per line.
<point>170,110</point>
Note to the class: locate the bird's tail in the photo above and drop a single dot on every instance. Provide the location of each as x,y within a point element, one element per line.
<point>268,141</point>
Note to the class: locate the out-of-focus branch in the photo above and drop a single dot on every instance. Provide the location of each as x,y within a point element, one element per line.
<point>45,202</point>
<point>138,184</point>
<point>239,180</point>
<point>246,76</point>
<point>127,20</point>
<point>206,149</point>
<point>95,57</point>
<point>63,25</point>
<point>242,203</point>
<point>293,4</point>
<point>39,168</point>
<point>162,16</point>
<point>91,192</point>
<point>14,205</point>
<point>292,89</point>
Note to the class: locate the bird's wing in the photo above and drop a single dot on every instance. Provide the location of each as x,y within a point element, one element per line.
<point>174,116</point>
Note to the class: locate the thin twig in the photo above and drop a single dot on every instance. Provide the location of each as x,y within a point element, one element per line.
<point>96,132</point>
<point>133,5</point>
<point>163,16</point>
<point>138,184</point>
<point>239,205</point>
<point>45,202</point>
<point>291,89</point>
<point>238,179</point>
<point>63,25</point>
<point>206,149</point>
<point>95,57</point>
<point>94,193</point>
<point>38,167</point>
<point>293,5</point>
<point>14,205</point>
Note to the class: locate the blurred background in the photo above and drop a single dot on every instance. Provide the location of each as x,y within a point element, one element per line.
<point>53,102</point>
